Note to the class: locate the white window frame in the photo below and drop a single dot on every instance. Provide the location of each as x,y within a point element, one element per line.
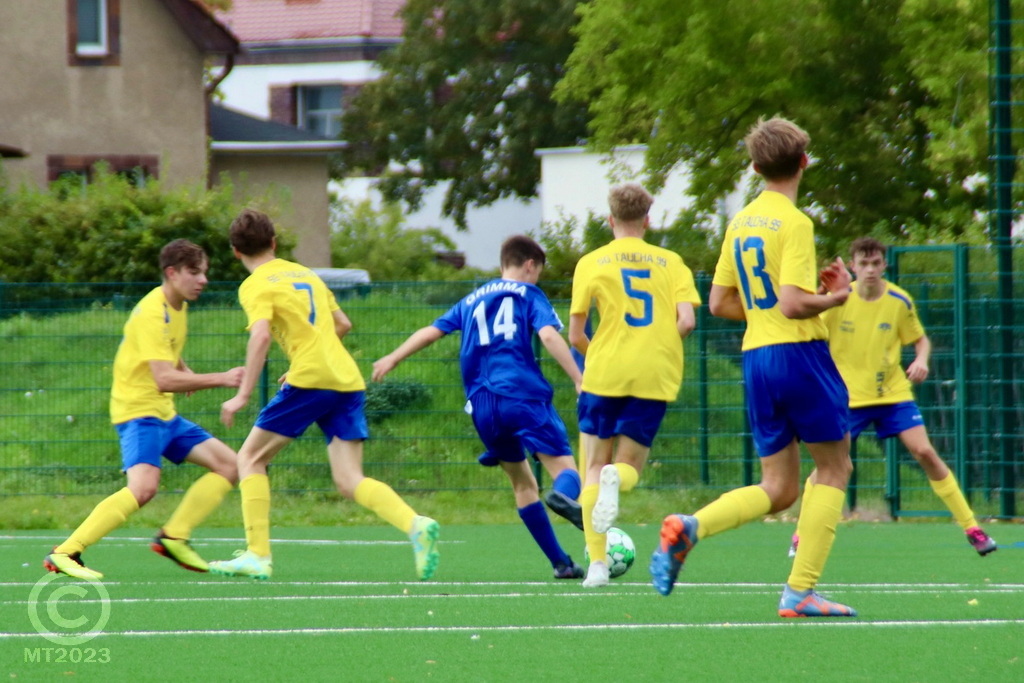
<point>102,48</point>
<point>333,116</point>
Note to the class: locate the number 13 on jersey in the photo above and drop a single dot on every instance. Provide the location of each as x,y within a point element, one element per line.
<point>753,273</point>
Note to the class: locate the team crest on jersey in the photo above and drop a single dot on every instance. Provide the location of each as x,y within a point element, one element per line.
<point>885,327</point>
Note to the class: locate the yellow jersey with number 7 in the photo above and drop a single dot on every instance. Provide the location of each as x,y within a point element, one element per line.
<point>300,309</point>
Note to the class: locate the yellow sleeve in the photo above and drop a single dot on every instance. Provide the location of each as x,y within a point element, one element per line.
<point>799,262</point>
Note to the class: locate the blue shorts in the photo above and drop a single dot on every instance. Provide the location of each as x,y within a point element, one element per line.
<point>509,426</point>
<point>794,391</point>
<point>889,420</point>
<point>145,439</point>
<point>338,413</point>
<point>608,416</point>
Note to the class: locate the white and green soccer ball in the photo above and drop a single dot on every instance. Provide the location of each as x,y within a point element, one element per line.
<point>621,552</point>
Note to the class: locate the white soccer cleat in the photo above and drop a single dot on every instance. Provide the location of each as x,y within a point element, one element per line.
<point>606,509</point>
<point>597,575</point>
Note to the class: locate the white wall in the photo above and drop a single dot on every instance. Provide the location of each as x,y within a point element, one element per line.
<point>487,227</point>
<point>575,182</point>
<point>247,88</point>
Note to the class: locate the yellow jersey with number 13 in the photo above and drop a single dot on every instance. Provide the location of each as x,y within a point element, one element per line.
<point>770,243</point>
<point>300,309</point>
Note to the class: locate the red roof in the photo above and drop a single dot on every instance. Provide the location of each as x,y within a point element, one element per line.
<point>258,21</point>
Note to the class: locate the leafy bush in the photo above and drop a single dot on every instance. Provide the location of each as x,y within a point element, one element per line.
<point>384,399</point>
<point>376,241</point>
<point>113,230</point>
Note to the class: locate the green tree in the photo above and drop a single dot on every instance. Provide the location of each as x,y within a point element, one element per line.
<point>893,93</point>
<point>377,241</point>
<point>466,97</point>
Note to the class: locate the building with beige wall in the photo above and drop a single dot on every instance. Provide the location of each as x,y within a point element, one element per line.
<point>127,89</point>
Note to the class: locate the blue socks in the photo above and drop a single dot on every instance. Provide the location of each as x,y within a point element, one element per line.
<point>568,483</point>
<point>535,517</point>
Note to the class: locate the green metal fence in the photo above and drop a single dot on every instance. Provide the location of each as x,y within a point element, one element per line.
<point>57,343</point>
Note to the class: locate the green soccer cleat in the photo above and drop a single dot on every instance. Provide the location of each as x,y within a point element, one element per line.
<point>71,565</point>
<point>179,550</point>
<point>424,535</point>
<point>246,563</point>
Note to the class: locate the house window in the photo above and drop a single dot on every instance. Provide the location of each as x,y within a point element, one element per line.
<point>135,168</point>
<point>94,32</point>
<point>320,109</point>
<point>92,27</point>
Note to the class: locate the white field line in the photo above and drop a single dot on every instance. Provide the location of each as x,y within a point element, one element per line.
<point>560,628</point>
<point>128,540</point>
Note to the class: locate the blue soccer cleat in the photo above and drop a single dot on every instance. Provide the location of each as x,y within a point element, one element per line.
<point>678,536</point>
<point>807,603</point>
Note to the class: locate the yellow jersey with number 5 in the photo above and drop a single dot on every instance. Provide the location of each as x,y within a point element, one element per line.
<point>300,309</point>
<point>770,243</point>
<point>636,349</point>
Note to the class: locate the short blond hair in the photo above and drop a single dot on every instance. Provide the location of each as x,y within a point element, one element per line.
<point>777,147</point>
<point>629,202</point>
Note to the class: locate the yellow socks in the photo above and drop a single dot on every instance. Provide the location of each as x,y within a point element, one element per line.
<point>104,518</point>
<point>821,511</point>
<point>949,491</point>
<point>199,501</point>
<point>628,476</point>
<point>380,498</point>
<point>256,513</point>
<point>732,509</point>
<point>596,543</point>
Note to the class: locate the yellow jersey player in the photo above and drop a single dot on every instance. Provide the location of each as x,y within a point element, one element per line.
<point>148,371</point>
<point>287,301</point>
<point>866,337</point>
<point>645,298</point>
<point>766,275</point>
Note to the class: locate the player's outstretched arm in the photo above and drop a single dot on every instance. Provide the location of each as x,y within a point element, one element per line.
<point>342,325</point>
<point>686,319</point>
<point>182,379</point>
<point>918,370</point>
<point>420,339</point>
<point>559,350</point>
<point>724,302</point>
<point>578,332</point>
<point>255,357</point>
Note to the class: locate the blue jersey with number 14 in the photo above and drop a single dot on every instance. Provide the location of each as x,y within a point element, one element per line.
<point>497,322</point>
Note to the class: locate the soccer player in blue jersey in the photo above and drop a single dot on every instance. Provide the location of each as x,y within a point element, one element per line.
<point>148,371</point>
<point>507,395</point>
<point>287,301</point>
<point>766,276</point>
<point>866,337</point>
<point>645,299</point>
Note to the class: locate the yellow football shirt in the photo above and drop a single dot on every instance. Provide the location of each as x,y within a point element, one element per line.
<point>154,331</point>
<point>636,350</point>
<point>768,244</point>
<point>300,309</point>
<point>866,339</point>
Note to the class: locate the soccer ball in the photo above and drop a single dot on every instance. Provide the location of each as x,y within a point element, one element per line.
<point>621,552</point>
